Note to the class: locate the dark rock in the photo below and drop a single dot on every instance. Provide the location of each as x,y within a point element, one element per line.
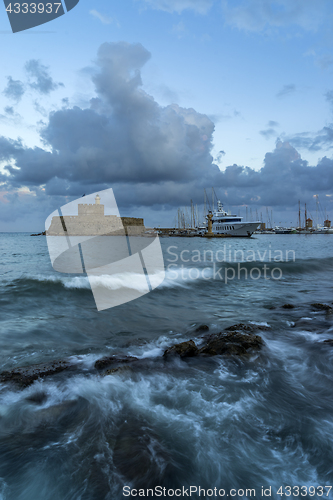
<point>232,342</point>
<point>242,327</point>
<point>102,363</point>
<point>37,398</point>
<point>119,369</point>
<point>328,341</point>
<point>202,328</point>
<point>139,455</point>
<point>322,307</point>
<point>184,350</point>
<point>238,339</point>
<point>39,234</point>
<point>288,306</point>
<point>28,374</point>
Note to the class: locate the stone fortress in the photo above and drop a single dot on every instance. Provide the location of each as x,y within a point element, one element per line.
<point>91,221</point>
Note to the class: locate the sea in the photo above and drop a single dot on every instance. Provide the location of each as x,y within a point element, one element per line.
<point>255,426</point>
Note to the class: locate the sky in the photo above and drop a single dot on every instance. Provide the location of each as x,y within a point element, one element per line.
<point>161,99</point>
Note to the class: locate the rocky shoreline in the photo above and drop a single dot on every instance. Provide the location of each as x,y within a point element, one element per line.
<point>240,340</point>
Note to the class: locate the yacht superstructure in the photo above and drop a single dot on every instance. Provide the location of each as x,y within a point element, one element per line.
<point>232,225</point>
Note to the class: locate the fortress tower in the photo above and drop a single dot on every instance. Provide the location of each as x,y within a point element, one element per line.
<point>91,221</point>
<point>96,210</point>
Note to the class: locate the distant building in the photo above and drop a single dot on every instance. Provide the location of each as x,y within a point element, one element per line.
<point>91,221</point>
<point>308,224</point>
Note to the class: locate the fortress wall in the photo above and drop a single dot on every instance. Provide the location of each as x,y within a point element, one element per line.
<point>91,223</point>
<point>132,221</point>
<point>89,209</point>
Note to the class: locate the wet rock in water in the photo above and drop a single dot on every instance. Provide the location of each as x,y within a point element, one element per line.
<point>37,398</point>
<point>288,306</point>
<point>322,307</point>
<point>231,343</point>
<point>184,350</point>
<point>38,427</point>
<point>102,363</point>
<point>118,370</point>
<point>328,341</point>
<point>28,374</point>
<point>237,339</point>
<point>139,456</point>
<point>242,327</point>
<point>202,328</point>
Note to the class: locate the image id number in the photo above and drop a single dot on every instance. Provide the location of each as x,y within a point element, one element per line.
<point>33,8</point>
<point>304,491</point>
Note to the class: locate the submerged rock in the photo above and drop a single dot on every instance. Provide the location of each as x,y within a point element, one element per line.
<point>328,341</point>
<point>37,398</point>
<point>102,363</point>
<point>322,307</point>
<point>202,328</point>
<point>184,350</point>
<point>139,455</point>
<point>288,306</point>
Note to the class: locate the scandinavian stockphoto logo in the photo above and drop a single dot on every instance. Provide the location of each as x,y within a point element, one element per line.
<point>24,14</point>
<point>122,259</point>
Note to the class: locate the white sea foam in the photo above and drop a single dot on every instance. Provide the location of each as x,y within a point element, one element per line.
<point>179,277</point>
<point>258,323</point>
<point>309,335</point>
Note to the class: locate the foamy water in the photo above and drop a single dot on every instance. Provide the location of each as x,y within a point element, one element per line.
<point>224,422</point>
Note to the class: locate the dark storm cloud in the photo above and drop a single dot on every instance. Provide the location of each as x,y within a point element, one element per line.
<point>125,137</point>
<point>152,156</point>
<point>284,179</point>
<point>286,90</point>
<point>14,89</point>
<point>42,81</point>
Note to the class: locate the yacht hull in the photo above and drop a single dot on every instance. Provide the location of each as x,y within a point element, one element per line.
<point>244,230</point>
